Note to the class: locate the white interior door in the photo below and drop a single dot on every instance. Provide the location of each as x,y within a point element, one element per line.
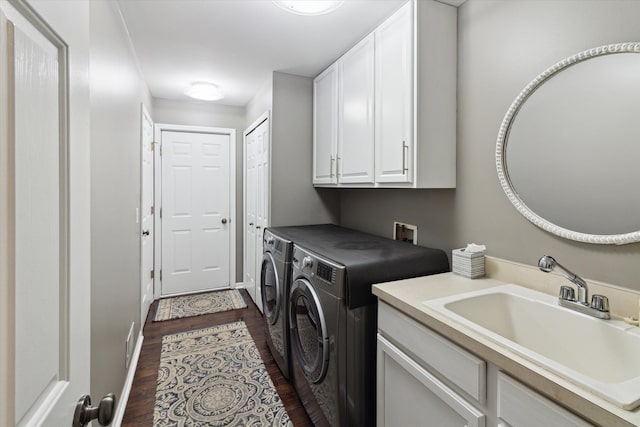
<point>262,200</point>
<point>147,230</point>
<point>44,218</point>
<point>195,211</point>
<point>250,215</point>
<point>256,197</point>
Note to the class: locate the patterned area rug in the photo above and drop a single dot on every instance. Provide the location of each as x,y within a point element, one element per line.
<point>215,377</point>
<point>195,305</point>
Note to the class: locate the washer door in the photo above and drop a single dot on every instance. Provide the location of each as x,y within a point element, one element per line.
<point>270,288</point>
<point>309,336</point>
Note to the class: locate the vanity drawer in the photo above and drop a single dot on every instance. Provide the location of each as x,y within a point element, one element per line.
<point>457,365</point>
<point>522,407</point>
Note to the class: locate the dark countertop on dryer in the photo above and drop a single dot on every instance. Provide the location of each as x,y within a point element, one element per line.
<point>368,258</point>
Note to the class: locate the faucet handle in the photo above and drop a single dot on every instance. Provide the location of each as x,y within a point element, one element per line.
<point>600,303</point>
<point>567,293</point>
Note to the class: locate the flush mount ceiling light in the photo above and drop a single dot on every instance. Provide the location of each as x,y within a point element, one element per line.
<point>204,91</point>
<point>309,7</point>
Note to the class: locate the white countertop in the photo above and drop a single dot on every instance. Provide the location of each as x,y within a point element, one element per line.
<point>407,296</point>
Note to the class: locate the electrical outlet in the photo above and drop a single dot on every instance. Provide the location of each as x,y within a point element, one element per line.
<point>405,232</point>
<point>128,347</point>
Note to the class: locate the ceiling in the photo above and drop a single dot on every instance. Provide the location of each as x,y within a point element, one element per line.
<point>236,44</point>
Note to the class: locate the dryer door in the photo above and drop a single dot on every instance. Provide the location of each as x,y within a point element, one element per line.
<point>270,287</point>
<point>309,335</point>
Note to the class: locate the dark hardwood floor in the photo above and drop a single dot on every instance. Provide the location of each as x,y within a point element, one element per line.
<point>139,410</point>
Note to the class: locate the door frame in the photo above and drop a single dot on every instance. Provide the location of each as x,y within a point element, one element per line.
<point>158,129</point>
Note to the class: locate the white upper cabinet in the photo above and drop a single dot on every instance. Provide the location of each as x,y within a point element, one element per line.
<point>325,126</point>
<point>394,97</point>
<point>355,115</point>
<point>410,139</point>
<point>344,119</point>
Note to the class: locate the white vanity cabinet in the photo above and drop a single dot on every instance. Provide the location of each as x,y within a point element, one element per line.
<point>417,371</point>
<point>395,105</point>
<point>425,379</point>
<point>520,406</point>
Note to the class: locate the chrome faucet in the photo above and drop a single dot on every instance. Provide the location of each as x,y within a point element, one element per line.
<point>599,306</point>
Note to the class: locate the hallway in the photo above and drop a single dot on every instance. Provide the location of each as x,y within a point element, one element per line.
<point>139,410</point>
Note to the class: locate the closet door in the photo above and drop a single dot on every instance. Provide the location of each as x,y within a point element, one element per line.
<point>250,216</point>
<point>261,150</point>
<point>256,209</point>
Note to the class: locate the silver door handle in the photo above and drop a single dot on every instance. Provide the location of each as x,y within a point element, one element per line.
<point>104,412</point>
<point>405,150</point>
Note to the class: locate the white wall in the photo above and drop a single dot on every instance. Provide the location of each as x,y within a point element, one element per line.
<point>117,90</point>
<point>207,114</point>
<point>502,46</point>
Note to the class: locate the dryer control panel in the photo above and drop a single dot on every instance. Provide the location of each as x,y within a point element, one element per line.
<point>321,271</point>
<point>326,272</point>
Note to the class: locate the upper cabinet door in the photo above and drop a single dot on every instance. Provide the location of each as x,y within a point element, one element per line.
<point>355,162</point>
<point>394,63</point>
<point>325,126</point>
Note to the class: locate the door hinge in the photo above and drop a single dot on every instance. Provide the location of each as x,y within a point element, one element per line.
<point>152,274</point>
<point>153,210</point>
<point>160,150</point>
<point>160,274</point>
<point>160,212</point>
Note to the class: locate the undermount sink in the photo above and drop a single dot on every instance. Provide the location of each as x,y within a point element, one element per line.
<point>602,356</point>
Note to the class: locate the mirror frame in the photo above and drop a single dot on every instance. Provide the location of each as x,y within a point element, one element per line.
<point>503,137</point>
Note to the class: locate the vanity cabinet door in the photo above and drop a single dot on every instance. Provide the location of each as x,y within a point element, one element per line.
<point>325,126</point>
<point>355,123</point>
<point>394,97</point>
<point>520,406</point>
<point>408,395</point>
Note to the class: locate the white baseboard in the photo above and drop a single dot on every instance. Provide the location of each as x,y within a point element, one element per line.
<point>124,396</point>
<point>240,285</point>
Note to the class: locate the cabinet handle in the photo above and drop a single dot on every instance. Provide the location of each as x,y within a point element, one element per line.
<point>337,166</point>
<point>405,150</point>
<point>331,167</point>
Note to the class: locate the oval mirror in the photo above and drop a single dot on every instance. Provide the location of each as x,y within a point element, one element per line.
<point>568,149</point>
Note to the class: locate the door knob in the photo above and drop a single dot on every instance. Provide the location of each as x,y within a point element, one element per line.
<point>224,220</point>
<point>145,233</point>
<point>104,412</point>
